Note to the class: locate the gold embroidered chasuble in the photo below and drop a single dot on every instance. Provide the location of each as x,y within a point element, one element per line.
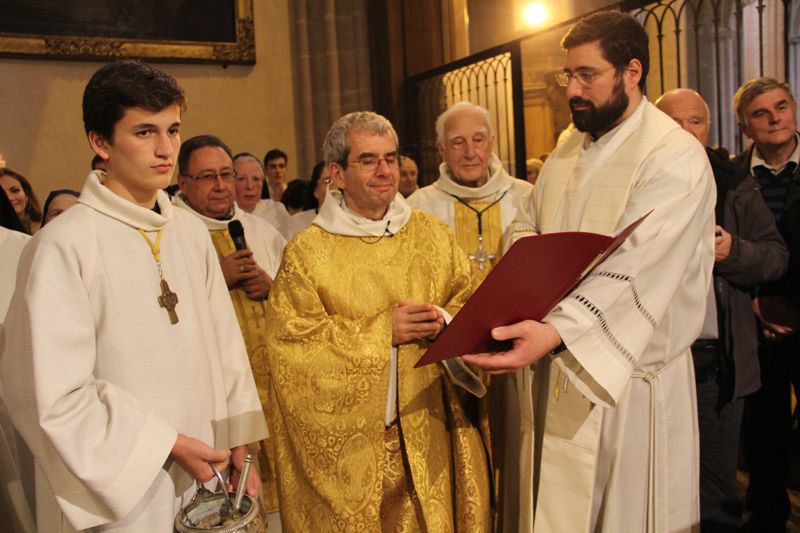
<point>330,327</point>
<point>251,315</point>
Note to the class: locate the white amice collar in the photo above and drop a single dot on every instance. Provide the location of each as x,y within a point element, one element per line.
<point>211,223</point>
<point>100,198</point>
<point>498,182</point>
<point>335,217</point>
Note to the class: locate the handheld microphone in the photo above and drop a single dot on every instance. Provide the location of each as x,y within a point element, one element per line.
<point>237,234</point>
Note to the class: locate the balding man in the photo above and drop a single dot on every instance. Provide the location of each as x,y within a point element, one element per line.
<point>409,174</point>
<point>748,251</point>
<point>474,194</point>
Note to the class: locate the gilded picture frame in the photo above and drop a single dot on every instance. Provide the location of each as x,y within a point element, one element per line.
<point>190,31</point>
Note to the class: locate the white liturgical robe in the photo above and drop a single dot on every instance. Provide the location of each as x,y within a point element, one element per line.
<point>609,426</point>
<point>15,512</point>
<point>99,382</point>
<point>11,245</point>
<point>275,214</point>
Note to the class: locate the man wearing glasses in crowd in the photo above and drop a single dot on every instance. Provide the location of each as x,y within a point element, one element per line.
<point>612,443</point>
<point>206,179</point>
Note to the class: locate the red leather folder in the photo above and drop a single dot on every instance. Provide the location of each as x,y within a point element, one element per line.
<point>527,283</point>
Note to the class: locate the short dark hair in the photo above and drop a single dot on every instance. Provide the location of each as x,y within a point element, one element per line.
<point>621,38</point>
<point>316,172</point>
<point>275,153</point>
<point>298,195</point>
<point>119,86</point>
<point>195,143</point>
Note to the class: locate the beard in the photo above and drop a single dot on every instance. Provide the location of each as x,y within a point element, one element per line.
<point>600,119</point>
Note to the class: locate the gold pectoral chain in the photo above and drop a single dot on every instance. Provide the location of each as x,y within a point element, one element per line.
<point>168,299</point>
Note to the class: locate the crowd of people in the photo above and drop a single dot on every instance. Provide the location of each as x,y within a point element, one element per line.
<point>158,333</point>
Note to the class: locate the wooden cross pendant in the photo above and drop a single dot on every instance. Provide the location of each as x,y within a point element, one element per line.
<point>168,300</point>
<point>480,255</point>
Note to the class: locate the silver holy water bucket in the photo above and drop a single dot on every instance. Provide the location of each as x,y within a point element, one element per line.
<point>212,512</point>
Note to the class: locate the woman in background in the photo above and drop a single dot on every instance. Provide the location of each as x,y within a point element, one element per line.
<point>57,202</point>
<point>22,197</point>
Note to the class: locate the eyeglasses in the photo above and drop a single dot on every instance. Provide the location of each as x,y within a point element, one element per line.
<point>368,163</point>
<point>207,177</point>
<point>241,178</point>
<point>585,77</point>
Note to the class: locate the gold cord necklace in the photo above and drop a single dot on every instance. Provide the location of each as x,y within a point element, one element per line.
<point>168,299</point>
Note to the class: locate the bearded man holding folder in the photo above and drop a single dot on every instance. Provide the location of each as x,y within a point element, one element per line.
<point>607,434</point>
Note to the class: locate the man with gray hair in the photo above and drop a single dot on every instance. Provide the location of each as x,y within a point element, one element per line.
<point>767,114</point>
<point>474,194</point>
<point>748,250</point>
<point>365,441</point>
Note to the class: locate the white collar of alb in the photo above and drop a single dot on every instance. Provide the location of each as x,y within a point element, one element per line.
<point>335,217</point>
<point>211,223</point>
<point>499,181</point>
<point>100,198</point>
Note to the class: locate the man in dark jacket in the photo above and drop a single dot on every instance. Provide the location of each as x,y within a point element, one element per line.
<point>767,114</point>
<point>749,251</point>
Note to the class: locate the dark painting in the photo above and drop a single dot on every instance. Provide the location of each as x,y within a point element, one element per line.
<point>192,30</point>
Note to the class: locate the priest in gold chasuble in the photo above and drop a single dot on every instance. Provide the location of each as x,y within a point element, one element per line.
<point>206,178</point>
<point>474,194</point>
<point>365,441</point>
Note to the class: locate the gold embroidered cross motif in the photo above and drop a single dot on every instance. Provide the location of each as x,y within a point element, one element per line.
<point>168,300</point>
